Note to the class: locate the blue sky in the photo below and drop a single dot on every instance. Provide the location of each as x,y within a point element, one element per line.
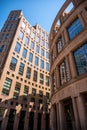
<point>40,12</point>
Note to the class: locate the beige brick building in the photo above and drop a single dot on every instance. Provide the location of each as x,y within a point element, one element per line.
<point>24,75</point>
<point>68,56</point>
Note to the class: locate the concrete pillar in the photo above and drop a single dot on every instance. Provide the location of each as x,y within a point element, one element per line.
<point>77,122</point>
<point>62,117</point>
<point>82,114</point>
<point>35,121</point>
<point>66,37</point>
<point>5,119</point>
<point>58,121</point>
<point>57,77</point>
<point>26,120</point>
<point>68,67</point>
<point>43,125</point>
<point>72,65</point>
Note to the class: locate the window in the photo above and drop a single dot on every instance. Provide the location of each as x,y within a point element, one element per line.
<point>6,86</point>
<point>47,66</point>
<point>41,78</point>
<point>41,93</point>
<point>26,40</point>
<point>37,48</point>
<point>17,47</point>
<point>17,90</point>
<point>81,59</point>
<point>28,30</point>
<point>46,37</point>
<point>23,25</point>
<point>36,60</point>
<point>37,39</point>
<point>42,64</point>
<point>13,64</point>
<point>21,35</point>
<point>33,35</point>
<point>75,28</point>
<point>21,69</point>
<point>28,73</point>
<point>47,55</point>
<point>64,74</point>
<point>47,46</point>
<point>42,43</point>
<point>30,57</point>
<point>39,30</point>
<point>2,37</point>
<point>7,36</point>
<point>35,76</point>
<point>43,34</point>
<point>47,80</point>
<point>32,45</point>
<point>42,52</point>
<point>60,44</point>
<point>26,89</point>
<point>11,25</point>
<point>2,48</point>
<point>33,91</point>
<point>24,53</point>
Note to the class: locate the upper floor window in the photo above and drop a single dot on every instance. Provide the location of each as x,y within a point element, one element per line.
<point>36,60</point>
<point>21,35</point>
<point>41,93</point>
<point>75,28</point>
<point>42,52</point>
<point>41,78</point>
<point>47,80</point>
<point>24,53</point>
<point>35,76</point>
<point>39,30</point>
<point>2,48</point>
<point>26,40</point>
<point>42,43</point>
<point>47,37</point>
<point>28,30</point>
<point>17,90</point>
<point>33,91</point>
<point>13,64</point>
<point>81,59</point>
<point>47,66</point>
<point>26,89</point>
<point>37,39</point>
<point>7,36</point>
<point>6,86</point>
<point>32,45</point>
<point>47,55</point>
<point>28,73</point>
<point>30,57</point>
<point>37,48</point>
<point>2,36</point>
<point>42,64</point>
<point>11,25</point>
<point>17,47</point>
<point>23,25</point>
<point>33,35</point>
<point>43,34</point>
<point>47,46</point>
<point>60,44</point>
<point>21,69</point>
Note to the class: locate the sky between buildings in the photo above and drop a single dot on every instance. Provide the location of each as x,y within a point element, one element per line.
<point>40,12</point>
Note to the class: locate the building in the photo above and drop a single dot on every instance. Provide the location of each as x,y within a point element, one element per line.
<point>68,57</point>
<point>24,75</point>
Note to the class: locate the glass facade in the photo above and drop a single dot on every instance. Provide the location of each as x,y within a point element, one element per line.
<point>24,53</point>
<point>80,56</point>
<point>30,57</point>
<point>6,86</point>
<point>13,64</point>
<point>21,68</point>
<point>17,47</point>
<point>75,28</point>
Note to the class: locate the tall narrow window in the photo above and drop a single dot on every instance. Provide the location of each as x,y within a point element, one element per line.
<point>21,69</point>
<point>28,73</point>
<point>17,47</point>
<point>47,55</point>
<point>60,44</point>
<point>30,57</point>
<point>42,64</point>
<point>13,64</point>
<point>42,52</point>
<point>35,76</point>
<point>47,46</point>
<point>33,91</point>
<point>26,40</point>
<point>6,86</point>
<point>32,45</point>
<point>47,80</point>
<point>47,66</point>
<point>36,60</point>
<point>24,53</point>
<point>41,78</point>
<point>17,90</point>
<point>2,48</point>
<point>37,48</point>
<point>21,35</point>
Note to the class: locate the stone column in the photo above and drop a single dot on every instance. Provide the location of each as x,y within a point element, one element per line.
<point>35,120</point>
<point>43,121</point>
<point>77,122</point>
<point>62,117</point>
<point>66,37</point>
<point>26,120</point>
<point>72,65</point>
<point>57,77</point>
<point>5,119</point>
<point>58,121</point>
<point>82,114</point>
<point>68,67</point>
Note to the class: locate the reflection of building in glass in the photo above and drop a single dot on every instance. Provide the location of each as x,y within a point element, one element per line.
<point>24,75</point>
<point>68,57</point>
